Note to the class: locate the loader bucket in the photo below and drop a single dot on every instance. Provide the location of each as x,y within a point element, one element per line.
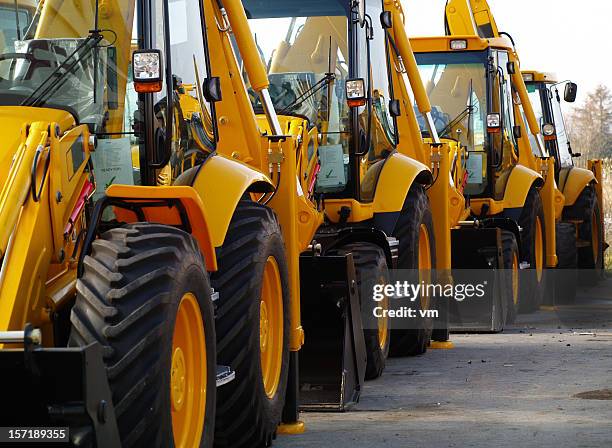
<point>333,359</point>
<point>477,257</point>
<point>59,387</point>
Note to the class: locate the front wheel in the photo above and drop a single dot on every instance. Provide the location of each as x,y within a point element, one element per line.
<point>145,297</point>
<point>417,252</point>
<point>511,273</point>
<point>533,250</point>
<point>252,327</point>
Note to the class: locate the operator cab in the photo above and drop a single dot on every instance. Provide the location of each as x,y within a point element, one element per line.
<point>473,103</point>
<point>311,49</point>
<point>65,55</point>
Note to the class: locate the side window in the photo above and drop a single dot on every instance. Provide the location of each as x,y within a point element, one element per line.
<point>382,124</point>
<point>507,102</point>
<point>562,137</point>
<point>192,134</point>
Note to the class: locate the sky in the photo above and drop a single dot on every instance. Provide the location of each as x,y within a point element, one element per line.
<point>576,34</point>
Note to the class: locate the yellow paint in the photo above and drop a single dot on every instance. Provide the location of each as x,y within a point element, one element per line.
<point>188,375</point>
<point>441,345</point>
<point>271,327</point>
<point>291,429</point>
<point>396,179</point>
<point>577,180</point>
<point>520,182</point>
<point>204,228</point>
<point>359,211</point>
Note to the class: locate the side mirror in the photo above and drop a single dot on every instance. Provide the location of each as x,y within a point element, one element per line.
<point>211,89</point>
<point>511,68</point>
<point>386,20</point>
<point>394,108</point>
<point>356,92</point>
<point>571,90</point>
<point>147,71</point>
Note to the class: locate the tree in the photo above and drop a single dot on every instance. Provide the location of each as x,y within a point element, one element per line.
<point>591,125</point>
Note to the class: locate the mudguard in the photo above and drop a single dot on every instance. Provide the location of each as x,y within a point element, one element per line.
<point>396,178</point>
<point>520,182</point>
<point>577,180</point>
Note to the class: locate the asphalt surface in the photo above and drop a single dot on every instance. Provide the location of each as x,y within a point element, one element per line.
<point>544,382</point>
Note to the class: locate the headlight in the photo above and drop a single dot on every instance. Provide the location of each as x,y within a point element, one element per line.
<point>548,129</point>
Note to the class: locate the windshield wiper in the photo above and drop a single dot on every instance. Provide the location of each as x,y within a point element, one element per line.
<point>308,93</point>
<point>58,77</point>
<point>467,112</point>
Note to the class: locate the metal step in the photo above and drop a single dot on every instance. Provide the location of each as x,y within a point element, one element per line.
<point>225,375</point>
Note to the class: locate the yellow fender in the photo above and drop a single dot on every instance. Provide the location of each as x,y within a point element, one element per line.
<point>396,178</point>
<point>577,180</point>
<point>220,184</point>
<point>520,182</point>
<point>209,204</point>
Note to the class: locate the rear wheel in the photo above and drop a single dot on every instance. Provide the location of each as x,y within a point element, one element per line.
<point>533,250</point>
<point>511,275</point>
<point>370,269</point>
<point>417,251</point>
<point>252,327</point>
<point>591,254</point>
<point>145,297</point>
<point>566,273</point>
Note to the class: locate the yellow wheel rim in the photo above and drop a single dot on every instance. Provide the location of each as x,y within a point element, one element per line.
<point>271,327</point>
<point>383,321</point>
<point>515,278</point>
<point>188,374</point>
<point>539,250</point>
<point>595,237</point>
<point>424,263</point>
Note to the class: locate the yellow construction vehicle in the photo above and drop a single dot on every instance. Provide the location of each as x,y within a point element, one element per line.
<point>364,184</point>
<point>580,233</point>
<point>477,65</point>
<point>188,182</point>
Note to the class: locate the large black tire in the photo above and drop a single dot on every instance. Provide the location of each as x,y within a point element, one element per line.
<point>415,213</point>
<point>591,256</point>
<point>510,251</point>
<point>127,300</point>
<point>566,275</point>
<point>533,287</point>
<point>370,268</point>
<point>246,415</point>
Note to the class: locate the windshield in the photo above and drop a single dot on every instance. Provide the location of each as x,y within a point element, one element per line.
<point>49,57</point>
<point>307,61</point>
<point>456,85</point>
<point>536,103</point>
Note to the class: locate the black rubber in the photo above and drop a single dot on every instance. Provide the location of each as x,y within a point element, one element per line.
<point>566,275</point>
<point>127,300</point>
<point>586,205</point>
<point>246,417</point>
<point>370,269</point>
<point>510,250</point>
<point>416,212</point>
<point>532,290</point>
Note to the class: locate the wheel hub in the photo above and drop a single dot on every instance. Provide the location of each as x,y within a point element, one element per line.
<point>177,379</point>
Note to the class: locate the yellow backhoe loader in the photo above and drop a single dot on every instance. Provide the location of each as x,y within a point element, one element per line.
<point>580,234</point>
<point>107,309</point>
<point>364,181</point>
<point>476,65</point>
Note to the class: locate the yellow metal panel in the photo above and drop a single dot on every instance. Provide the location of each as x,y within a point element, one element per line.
<point>520,182</point>
<point>197,213</point>
<point>552,200</point>
<point>494,207</point>
<point>439,197</point>
<point>396,179</point>
<point>577,180</point>
<point>359,212</point>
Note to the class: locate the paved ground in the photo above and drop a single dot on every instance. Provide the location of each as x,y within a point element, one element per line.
<point>516,389</point>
